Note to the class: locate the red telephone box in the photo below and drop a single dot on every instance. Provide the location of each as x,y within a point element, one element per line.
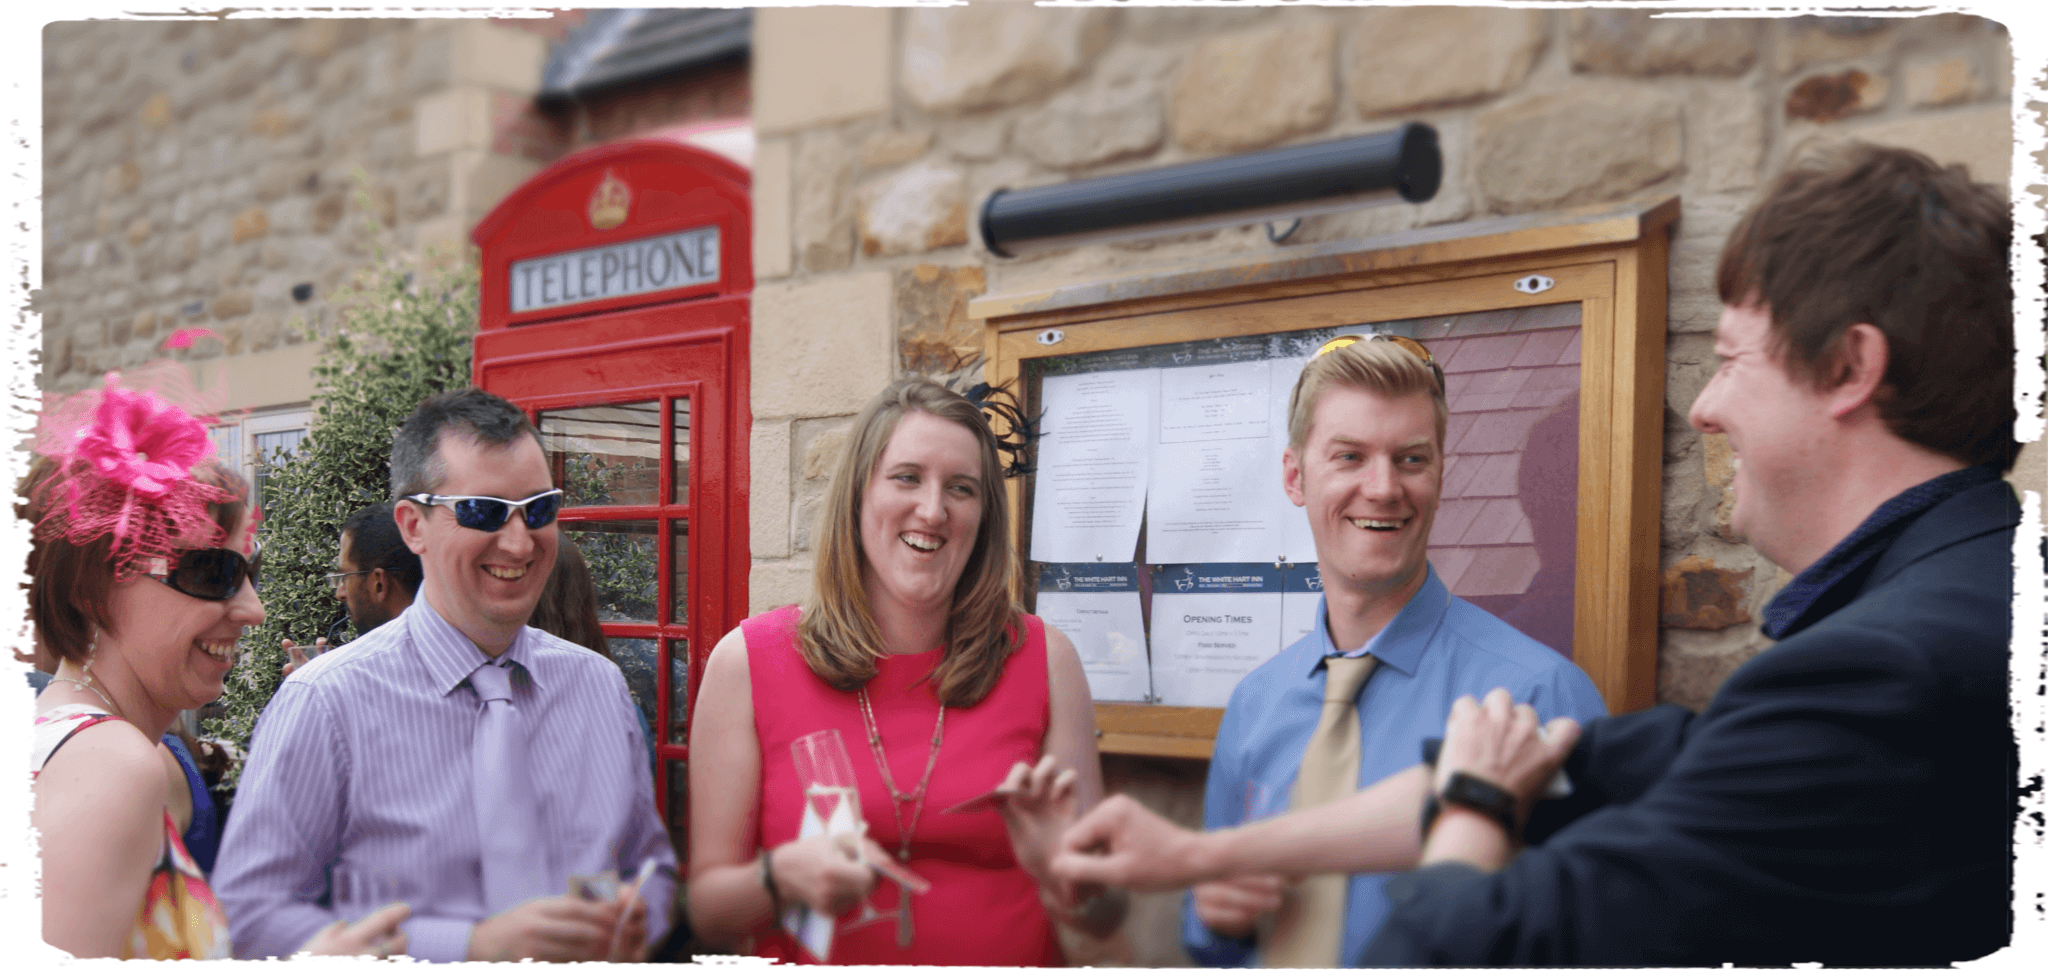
<point>614,310</point>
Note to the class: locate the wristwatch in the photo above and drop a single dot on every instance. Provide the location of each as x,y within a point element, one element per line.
<point>1475,794</point>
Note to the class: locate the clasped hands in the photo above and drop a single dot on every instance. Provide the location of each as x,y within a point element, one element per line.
<point>563,928</point>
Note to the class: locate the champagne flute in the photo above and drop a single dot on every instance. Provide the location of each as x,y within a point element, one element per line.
<point>832,797</point>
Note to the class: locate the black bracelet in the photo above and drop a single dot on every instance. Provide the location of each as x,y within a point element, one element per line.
<point>768,880</point>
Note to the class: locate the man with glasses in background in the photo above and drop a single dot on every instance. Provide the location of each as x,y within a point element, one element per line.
<point>1352,701</point>
<point>488,773</point>
<point>375,578</point>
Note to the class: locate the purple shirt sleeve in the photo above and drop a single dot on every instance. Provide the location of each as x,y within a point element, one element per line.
<point>286,822</point>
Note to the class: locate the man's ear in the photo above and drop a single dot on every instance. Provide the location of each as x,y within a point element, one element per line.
<point>376,581</point>
<point>1861,357</point>
<point>412,526</point>
<point>1290,477</point>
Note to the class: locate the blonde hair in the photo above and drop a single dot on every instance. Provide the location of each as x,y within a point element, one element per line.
<point>837,635</point>
<point>1375,366</point>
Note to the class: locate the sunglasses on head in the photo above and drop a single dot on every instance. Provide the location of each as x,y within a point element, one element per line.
<point>206,573</point>
<point>490,513</point>
<point>1409,345</point>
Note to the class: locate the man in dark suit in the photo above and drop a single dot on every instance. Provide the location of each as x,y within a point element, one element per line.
<point>1846,797</point>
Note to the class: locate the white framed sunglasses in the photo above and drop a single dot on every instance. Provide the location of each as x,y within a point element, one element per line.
<point>487,514</point>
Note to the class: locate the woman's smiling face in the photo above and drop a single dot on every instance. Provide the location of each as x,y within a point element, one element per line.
<point>179,648</point>
<point>920,513</point>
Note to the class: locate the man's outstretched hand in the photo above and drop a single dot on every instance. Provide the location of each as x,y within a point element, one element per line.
<point>1121,844</point>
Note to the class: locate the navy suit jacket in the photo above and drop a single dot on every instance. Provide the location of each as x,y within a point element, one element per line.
<point>1846,797</point>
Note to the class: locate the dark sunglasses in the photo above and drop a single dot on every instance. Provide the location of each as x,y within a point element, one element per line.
<point>1407,344</point>
<point>208,573</point>
<point>490,513</point>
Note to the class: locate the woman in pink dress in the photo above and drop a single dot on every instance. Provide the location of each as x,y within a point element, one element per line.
<point>915,649</point>
<point>140,585</point>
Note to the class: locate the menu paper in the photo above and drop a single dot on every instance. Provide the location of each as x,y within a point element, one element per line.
<point>812,930</point>
<point>1215,493</point>
<point>1096,605</point>
<point>1093,465</point>
<point>1297,544</point>
<point>1211,624</point>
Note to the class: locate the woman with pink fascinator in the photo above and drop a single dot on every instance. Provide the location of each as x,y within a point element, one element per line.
<point>140,584</point>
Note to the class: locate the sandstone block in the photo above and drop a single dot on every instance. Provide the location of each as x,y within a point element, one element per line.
<point>271,123</point>
<point>1717,465</point>
<point>1172,23</point>
<point>123,179</point>
<point>144,325</point>
<point>768,489</point>
<point>1579,145</point>
<point>974,58</point>
<point>773,584</point>
<point>315,38</point>
<point>1698,595</point>
<point>821,347</point>
<point>138,231</point>
<point>251,224</point>
<point>1978,138</point>
<point>893,148</point>
<point>820,64</point>
<point>1630,42</point>
<point>156,112</point>
<point>976,139</point>
<point>821,455</point>
<point>1807,41</point>
<point>495,56</point>
<point>232,304</point>
<point>1827,97</point>
<point>1094,124</point>
<point>450,120</point>
<point>772,211</point>
<point>264,332</point>
<point>921,208</point>
<point>1942,81</point>
<point>1733,158</point>
<point>1251,90</point>
<point>1690,679</point>
<point>934,335</point>
<point>329,211</point>
<point>824,211</point>
<point>1407,58</point>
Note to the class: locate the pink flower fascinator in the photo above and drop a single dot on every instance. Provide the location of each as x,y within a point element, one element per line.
<point>124,460</point>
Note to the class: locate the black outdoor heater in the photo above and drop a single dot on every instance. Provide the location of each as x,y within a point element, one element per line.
<point>1280,184</point>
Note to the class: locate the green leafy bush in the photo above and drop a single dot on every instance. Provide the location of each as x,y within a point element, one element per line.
<point>398,341</point>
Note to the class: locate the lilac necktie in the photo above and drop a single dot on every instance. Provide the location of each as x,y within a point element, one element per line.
<point>514,858</point>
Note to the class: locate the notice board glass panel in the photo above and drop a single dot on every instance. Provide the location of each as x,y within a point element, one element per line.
<point>1185,438</point>
<point>1552,327</point>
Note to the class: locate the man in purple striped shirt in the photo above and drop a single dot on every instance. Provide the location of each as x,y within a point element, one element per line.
<point>359,781</point>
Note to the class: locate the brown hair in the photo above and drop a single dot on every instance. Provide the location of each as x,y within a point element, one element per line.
<point>69,583</point>
<point>1376,366</point>
<point>837,636</point>
<point>1885,236</point>
<point>568,603</point>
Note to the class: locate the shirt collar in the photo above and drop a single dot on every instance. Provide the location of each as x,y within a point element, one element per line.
<point>448,654</point>
<point>1400,644</point>
<point>1788,611</point>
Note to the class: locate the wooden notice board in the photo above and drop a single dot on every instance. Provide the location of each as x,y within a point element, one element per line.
<point>1551,329</point>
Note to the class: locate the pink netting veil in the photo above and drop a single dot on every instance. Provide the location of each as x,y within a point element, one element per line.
<point>124,457</point>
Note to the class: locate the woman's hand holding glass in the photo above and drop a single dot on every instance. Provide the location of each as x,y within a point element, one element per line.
<point>829,873</point>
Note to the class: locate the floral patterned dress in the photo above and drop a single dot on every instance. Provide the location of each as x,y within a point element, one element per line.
<point>179,919</point>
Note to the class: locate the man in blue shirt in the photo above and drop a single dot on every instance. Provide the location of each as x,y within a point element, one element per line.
<point>1365,459</point>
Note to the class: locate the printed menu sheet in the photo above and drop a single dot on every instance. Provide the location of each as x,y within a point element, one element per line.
<point>1093,465</point>
<point>1215,494</point>
<point>1097,606</point>
<point>1211,624</point>
<point>1296,543</point>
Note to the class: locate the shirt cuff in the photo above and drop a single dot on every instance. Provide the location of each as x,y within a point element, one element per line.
<point>437,939</point>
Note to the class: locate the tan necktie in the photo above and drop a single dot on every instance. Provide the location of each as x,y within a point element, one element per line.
<point>1310,924</point>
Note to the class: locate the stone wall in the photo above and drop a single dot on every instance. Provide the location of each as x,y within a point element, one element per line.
<point>880,131</point>
<point>219,174</point>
